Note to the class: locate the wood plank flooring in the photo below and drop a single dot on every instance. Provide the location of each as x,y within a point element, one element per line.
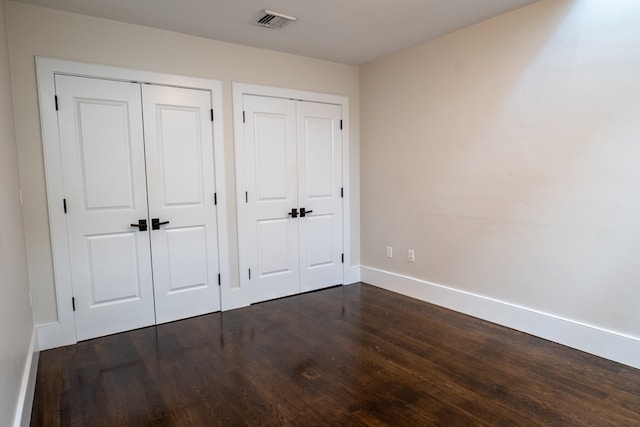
<point>345,356</point>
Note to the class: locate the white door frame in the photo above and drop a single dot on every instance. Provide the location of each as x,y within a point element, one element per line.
<point>63,332</point>
<point>239,296</point>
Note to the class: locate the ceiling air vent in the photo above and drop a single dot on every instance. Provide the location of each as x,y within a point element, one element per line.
<point>273,20</point>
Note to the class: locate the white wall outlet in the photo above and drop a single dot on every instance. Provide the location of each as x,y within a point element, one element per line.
<point>412,255</point>
<point>389,252</point>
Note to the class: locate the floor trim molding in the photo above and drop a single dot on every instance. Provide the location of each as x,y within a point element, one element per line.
<point>353,275</point>
<point>600,342</point>
<point>28,384</point>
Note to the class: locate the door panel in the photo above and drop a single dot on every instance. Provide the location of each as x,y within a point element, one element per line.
<point>179,144</point>
<point>319,240</point>
<point>102,149</point>
<point>275,256</point>
<point>270,155</point>
<point>180,171</point>
<point>105,148</point>
<point>320,183</point>
<point>187,258</point>
<point>318,155</point>
<point>113,267</point>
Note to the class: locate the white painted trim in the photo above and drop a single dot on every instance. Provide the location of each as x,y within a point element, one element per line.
<point>240,294</point>
<point>607,344</point>
<point>52,335</point>
<point>63,332</point>
<point>28,385</point>
<point>352,275</point>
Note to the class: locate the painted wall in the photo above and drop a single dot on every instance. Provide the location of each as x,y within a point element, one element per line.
<point>41,31</point>
<point>16,322</point>
<point>507,155</point>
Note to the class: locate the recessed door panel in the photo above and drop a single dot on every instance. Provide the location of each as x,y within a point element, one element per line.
<point>319,241</point>
<point>113,264</point>
<point>102,149</point>
<point>104,141</point>
<point>181,176</point>
<point>319,149</point>
<point>271,156</point>
<point>179,142</point>
<point>274,250</point>
<point>187,250</point>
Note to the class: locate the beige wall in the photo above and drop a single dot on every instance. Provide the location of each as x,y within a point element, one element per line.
<point>41,31</point>
<point>507,155</point>
<point>16,323</point>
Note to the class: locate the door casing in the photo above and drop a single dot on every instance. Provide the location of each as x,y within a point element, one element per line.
<point>63,332</point>
<point>240,295</point>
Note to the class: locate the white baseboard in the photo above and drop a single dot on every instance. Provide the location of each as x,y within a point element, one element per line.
<point>607,344</point>
<point>49,336</point>
<point>352,275</point>
<point>28,384</point>
<point>53,335</point>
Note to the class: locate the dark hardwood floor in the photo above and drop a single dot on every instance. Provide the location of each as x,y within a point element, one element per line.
<point>354,355</point>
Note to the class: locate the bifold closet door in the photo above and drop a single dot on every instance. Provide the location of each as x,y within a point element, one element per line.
<point>293,176</point>
<point>181,177</point>
<point>102,144</point>
<point>139,183</point>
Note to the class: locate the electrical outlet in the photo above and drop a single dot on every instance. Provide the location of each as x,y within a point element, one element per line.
<point>389,252</point>
<point>412,255</point>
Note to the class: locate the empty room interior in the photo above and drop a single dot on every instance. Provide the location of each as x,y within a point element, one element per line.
<point>357,212</point>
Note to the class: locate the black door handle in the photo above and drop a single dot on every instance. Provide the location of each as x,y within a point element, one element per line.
<point>304,212</point>
<point>142,225</point>
<point>155,223</point>
<point>293,213</point>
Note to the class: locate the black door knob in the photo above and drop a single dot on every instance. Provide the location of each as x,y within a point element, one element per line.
<point>293,213</point>
<point>304,212</point>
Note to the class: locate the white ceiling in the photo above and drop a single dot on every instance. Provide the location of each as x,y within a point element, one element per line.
<point>346,31</point>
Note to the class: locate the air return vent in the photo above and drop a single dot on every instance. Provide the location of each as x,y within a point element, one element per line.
<point>273,20</point>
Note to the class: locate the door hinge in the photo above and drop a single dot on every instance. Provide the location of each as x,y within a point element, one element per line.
<point>215,199</point>
<point>212,114</point>
<point>340,124</point>
<point>219,280</point>
<point>246,197</point>
<point>56,99</point>
<point>73,303</point>
<point>341,191</point>
<point>244,118</point>
<point>343,258</point>
<point>64,205</point>
<point>249,274</point>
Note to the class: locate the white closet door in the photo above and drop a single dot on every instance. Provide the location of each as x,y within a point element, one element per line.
<point>102,147</point>
<point>180,172</point>
<point>271,182</point>
<point>319,191</point>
